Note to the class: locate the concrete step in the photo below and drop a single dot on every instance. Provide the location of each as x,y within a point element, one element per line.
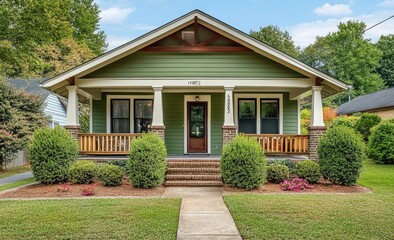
<point>195,171</point>
<point>193,183</point>
<point>193,177</point>
<point>193,164</point>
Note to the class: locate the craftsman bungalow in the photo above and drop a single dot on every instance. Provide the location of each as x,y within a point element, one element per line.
<point>196,82</point>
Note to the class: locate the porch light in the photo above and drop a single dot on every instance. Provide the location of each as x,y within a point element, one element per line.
<point>197,98</point>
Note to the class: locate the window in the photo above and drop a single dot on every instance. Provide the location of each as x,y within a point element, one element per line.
<point>120,116</point>
<point>188,36</point>
<point>143,111</point>
<point>247,115</point>
<point>269,116</point>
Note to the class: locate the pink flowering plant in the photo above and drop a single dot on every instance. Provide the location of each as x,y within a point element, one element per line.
<point>296,184</point>
<point>88,190</point>
<point>64,188</point>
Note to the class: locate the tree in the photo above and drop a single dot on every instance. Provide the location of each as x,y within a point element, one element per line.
<point>26,26</point>
<point>386,63</point>
<point>273,36</point>
<point>347,55</point>
<point>20,114</point>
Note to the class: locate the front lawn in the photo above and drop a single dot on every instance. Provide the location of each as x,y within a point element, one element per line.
<point>90,219</point>
<point>17,184</point>
<point>13,171</point>
<point>320,216</point>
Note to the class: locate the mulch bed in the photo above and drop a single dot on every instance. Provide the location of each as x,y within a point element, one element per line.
<point>321,186</point>
<point>51,191</point>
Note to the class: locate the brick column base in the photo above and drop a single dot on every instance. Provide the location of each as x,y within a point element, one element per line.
<point>159,130</point>
<point>73,130</point>
<point>315,133</point>
<point>228,133</point>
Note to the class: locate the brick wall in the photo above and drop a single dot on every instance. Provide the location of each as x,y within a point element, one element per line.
<point>159,130</point>
<point>73,130</point>
<point>228,133</point>
<point>315,133</point>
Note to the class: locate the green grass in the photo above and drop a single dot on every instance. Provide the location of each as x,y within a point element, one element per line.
<point>16,184</point>
<point>14,171</point>
<point>320,216</point>
<point>90,219</point>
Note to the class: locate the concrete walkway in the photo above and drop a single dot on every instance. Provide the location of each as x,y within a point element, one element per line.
<point>16,178</point>
<point>203,214</point>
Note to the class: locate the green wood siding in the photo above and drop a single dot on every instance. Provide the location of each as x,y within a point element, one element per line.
<point>99,116</point>
<point>217,120</point>
<point>149,64</point>
<point>290,116</point>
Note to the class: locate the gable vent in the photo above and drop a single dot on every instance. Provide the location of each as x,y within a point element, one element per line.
<point>188,36</point>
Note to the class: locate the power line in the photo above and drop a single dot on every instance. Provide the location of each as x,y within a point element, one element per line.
<point>378,23</point>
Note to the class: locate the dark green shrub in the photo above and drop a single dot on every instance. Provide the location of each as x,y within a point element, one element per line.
<point>51,152</point>
<point>120,163</point>
<point>147,161</point>
<point>110,175</point>
<point>344,121</point>
<point>277,173</point>
<point>341,153</point>
<point>243,163</point>
<point>381,143</point>
<point>366,122</point>
<point>308,170</point>
<point>82,172</point>
<point>290,164</point>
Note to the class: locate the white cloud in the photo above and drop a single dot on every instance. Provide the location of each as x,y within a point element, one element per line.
<point>142,27</point>
<point>115,14</point>
<point>304,34</point>
<point>333,10</point>
<point>387,3</point>
<point>116,41</point>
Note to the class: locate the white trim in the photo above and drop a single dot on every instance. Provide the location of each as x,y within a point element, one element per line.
<point>191,98</point>
<point>299,116</point>
<point>91,115</point>
<point>131,98</point>
<point>258,96</point>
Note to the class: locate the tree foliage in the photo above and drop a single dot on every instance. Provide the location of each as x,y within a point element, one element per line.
<point>20,114</point>
<point>29,29</point>
<point>386,63</point>
<point>273,36</point>
<point>347,55</point>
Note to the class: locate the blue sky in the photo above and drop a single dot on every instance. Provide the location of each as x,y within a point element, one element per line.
<point>124,20</point>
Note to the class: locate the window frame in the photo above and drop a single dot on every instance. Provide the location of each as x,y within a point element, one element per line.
<point>261,116</point>
<point>135,108</point>
<point>112,118</point>
<point>255,111</point>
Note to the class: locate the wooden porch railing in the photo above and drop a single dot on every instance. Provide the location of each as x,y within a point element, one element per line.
<point>282,143</point>
<point>105,143</point>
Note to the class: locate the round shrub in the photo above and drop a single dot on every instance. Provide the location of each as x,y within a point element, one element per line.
<point>290,164</point>
<point>381,143</point>
<point>344,121</point>
<point>82,172</point>
<point>366,122</point>
<point>147,161</point>
<point>308,170</point>
<point>277,173</point>
<point>51,152</point>
<point>243,163</point>
<point>341,153</point>
<point>110,175</point>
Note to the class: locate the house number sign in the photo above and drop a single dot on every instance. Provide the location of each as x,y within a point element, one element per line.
<point>228,103</point>
<point>194,83</point>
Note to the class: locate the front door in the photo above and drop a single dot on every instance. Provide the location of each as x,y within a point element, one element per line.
<point>197,127</point>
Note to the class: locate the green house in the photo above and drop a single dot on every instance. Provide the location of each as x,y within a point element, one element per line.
<point>196,82</point>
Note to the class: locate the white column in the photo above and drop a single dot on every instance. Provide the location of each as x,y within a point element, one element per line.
<point>317,107</point>
<point>228,106</point>
<point>72,106</point>
<point>157,119</point>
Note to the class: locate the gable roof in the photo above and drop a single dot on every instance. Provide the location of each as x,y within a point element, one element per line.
<point>380,99</point>
<point>30,86</point>
<point>187,19</point>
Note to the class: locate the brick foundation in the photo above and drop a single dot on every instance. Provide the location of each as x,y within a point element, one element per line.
<point>228,133</point>
<point>159,130</point>
<point>315,133</point>
<point>73,130</point>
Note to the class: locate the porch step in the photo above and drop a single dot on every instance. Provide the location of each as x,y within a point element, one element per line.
<point>193,173</point>
<point>189,183</point>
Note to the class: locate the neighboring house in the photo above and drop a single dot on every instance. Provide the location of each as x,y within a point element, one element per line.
<point>380,103</point>
<point>196,82</point>
<point>54,105</point>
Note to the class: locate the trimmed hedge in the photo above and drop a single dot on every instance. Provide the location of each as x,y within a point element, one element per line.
<point>243,163</point>
<point>290,164</point>
<point>51,152</point>
<point>341,153</point>
<point>82,172</point>
<point>308,170</point>
<point>277,173</point>
<point>381,143</point>
<point>345,121</point>
<point>366,122</point>
<point>147,161</point>
<point>110,175</point>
